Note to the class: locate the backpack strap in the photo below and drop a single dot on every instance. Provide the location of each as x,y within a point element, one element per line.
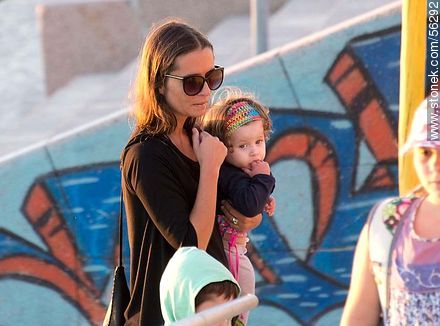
<point>372,215</point>
<point>384,225</point>
<point>378,238</point>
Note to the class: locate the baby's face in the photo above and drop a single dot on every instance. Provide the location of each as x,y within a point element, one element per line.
<point>247,145</point>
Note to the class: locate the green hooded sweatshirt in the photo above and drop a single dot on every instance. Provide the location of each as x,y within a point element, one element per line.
<point>187,272</point>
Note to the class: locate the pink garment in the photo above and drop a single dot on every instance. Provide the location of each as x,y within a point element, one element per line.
<point>415,277</point>
<point>234,243</point>
<point>231,236</point>
<point>415,260</point>
<point>246,274</point>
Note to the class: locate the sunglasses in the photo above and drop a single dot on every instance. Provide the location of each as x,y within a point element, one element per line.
<point>193,84</point>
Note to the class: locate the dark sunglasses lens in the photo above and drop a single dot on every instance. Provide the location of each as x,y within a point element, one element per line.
<point>215,79</point>
<point>193,85</point>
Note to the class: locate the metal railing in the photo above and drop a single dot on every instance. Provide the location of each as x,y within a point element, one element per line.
<point>221,312</point>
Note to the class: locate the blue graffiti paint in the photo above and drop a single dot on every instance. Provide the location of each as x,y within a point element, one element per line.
<point>380,56</point>
<point>88,199</point>
<point>12,246</point>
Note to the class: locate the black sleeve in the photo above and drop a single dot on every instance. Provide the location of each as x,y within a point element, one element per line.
<point>247,194</point>
<point>150,176</point>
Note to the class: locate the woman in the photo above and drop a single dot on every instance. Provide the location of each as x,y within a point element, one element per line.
<point>397,261</point>
<point>169,168</point>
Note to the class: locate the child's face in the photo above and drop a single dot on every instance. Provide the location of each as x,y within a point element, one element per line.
<point>427,165</point>
<point>213,301</point>
<point>247,145</point>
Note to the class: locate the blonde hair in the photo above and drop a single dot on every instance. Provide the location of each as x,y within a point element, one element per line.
<point>418,191</point>
<point>214,121</point>
<point>165,42</point>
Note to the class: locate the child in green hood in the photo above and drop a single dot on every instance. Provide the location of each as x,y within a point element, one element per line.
<point>194,281</point>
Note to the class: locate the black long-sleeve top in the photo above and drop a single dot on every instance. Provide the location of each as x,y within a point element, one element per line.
<point>160,185</point>
<point>247,194</point>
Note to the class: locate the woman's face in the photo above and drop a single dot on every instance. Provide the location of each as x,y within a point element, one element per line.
<point>197,62</point>
<point>427,166</point>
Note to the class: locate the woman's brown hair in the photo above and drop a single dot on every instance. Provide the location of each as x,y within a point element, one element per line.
<point>165,42</point>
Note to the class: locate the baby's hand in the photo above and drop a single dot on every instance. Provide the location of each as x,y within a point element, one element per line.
<point>258,167</point>
<point>270,206</point>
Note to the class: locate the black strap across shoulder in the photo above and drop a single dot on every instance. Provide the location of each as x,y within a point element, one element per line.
<point>120,231</point>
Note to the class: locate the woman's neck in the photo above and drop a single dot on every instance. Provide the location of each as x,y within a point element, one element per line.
<point>178,136</point>
<point>180,139</point>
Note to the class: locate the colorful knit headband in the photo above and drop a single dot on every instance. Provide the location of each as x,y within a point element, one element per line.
<point>239,114</point>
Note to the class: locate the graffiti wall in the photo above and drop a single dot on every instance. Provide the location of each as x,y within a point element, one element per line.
<point>333,100</point>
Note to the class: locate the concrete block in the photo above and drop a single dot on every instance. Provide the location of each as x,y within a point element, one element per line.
<point>86,37</point>
<point>202,14</point>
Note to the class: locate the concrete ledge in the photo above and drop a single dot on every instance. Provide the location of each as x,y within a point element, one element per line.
<point>202,14</point>
<point>86,37</point>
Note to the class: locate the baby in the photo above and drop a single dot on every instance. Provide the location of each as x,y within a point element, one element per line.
<point>245,180</point>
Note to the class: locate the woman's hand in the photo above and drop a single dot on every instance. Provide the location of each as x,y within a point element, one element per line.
<point>239,221</point>
<point>209,150</point>
<point>210,153</point>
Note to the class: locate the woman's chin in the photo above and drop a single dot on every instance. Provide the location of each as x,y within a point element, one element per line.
<point>199,110</point>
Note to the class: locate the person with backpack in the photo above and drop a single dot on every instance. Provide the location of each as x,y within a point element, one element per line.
<point>396,269</point>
